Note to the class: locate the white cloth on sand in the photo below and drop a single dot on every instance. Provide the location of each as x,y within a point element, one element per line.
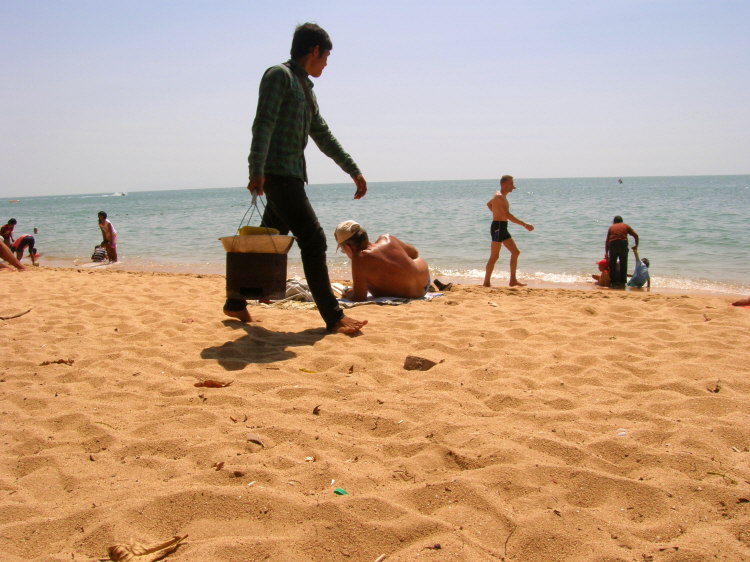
<point>298,295</point>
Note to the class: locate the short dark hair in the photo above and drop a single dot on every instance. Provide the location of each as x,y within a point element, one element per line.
<point>102,214</point>
<point>308,36</point>
<point>617,219</point>
<point>505,178</point>
<point>12,221</point>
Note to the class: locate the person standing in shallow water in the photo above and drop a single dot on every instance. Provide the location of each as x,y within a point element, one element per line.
<point>616,251</point>
<point>109,237</point>
<point>500,209</point>
<point>287,114</point>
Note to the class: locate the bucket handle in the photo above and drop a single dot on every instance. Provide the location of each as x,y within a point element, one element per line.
<point>252,209</point>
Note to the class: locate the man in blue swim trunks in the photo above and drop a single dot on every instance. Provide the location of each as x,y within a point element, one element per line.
<point>500,209</point>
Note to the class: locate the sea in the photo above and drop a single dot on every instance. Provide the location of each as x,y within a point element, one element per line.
<point>694,229</point>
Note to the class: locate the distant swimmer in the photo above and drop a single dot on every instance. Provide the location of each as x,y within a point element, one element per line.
<point>500,209</point>
<point>619,180</point>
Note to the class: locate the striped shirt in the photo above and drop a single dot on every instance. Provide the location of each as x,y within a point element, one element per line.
<point>283,122</point>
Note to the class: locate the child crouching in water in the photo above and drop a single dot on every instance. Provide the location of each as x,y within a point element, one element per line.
<point>602,280</point>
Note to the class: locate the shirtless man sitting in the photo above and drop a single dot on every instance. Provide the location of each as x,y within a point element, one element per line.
<point>500,209</point>
<point>386,268</point>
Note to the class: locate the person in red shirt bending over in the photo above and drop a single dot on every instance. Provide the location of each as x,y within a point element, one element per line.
<point>616,251</point>
<point>21,243</point>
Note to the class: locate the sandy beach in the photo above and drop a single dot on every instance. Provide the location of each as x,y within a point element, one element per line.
<point>556,425</point>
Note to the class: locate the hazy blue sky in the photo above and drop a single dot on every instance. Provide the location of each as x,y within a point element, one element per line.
<point>106,95</point>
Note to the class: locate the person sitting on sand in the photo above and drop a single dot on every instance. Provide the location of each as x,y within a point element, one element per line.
<point>387,267</point>
<point>6,231</point>
<point>500,209</point>
<point>21,243</point>
<point>640,276</point>
<point>7,254</point>
<point>603,278</point>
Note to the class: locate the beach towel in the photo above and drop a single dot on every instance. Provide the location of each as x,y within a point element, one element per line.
<point>392,301</point>
<point>298,295</point>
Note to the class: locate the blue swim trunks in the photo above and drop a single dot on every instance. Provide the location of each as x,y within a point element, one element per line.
<point>499,231</point>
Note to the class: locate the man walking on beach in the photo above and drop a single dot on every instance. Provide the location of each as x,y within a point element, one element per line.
<point>500,209</point>
<point>287,114</point>
<point>387,267</point>
<point>616,251</point>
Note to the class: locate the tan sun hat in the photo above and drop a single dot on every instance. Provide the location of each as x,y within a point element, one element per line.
<point>346,230</point>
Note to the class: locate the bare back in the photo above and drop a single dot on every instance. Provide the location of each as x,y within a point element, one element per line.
<point>389,267</point>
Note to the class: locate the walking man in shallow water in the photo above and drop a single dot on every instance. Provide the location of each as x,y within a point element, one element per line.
<point>287,114</point>
<point>500,209</point>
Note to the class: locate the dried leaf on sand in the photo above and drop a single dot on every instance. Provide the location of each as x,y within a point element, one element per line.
<point>253,438</point>
<point>416,363</point>
<point>143,553</point>
<point>60,361</point>
<point>210,383</point>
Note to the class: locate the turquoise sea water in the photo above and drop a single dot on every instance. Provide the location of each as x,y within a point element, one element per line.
<point>694,230</point>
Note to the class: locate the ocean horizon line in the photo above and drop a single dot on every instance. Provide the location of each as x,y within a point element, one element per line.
<point>369,182</point>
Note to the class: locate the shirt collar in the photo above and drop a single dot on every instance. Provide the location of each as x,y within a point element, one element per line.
<point>300,71</point>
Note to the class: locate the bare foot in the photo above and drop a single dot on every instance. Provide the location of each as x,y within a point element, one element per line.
<point>516,284</point>
<point>486,285</point>
<point>742,302</point>
<point>241,315</point>
<point>348,325</point>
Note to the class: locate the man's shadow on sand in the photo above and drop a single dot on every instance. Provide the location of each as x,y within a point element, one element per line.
<point>260,346</point>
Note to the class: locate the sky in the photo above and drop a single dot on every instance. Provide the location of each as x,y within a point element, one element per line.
<point>103,95</point>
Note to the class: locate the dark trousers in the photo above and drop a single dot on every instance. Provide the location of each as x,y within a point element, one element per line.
<point>289,209</point>
<point>618,262</point>
<point>26,242</point>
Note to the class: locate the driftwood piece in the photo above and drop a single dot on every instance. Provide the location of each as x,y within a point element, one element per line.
<point>14,315</point>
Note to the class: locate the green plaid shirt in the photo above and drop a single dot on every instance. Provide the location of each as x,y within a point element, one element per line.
<point>282,124</point>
